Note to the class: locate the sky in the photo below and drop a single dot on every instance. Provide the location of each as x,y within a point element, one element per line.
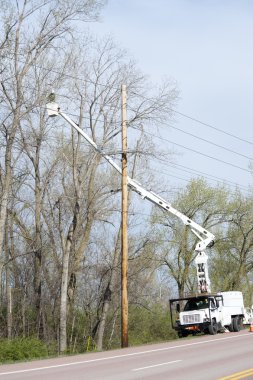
<point>206,46</point>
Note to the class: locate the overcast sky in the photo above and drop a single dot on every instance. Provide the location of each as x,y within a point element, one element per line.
<point>206,46</point>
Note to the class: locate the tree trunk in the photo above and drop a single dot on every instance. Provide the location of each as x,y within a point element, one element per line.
<point>64,289</point>
<point>8,284</point>
<point>108,292</point>
<point>4,202</point>
<point>64,280</point>
<point>38,245</point>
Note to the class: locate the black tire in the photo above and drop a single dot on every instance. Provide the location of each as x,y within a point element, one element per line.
<point>231,326</point>
<point>182,334</point>
<point>237,324</point>
<point>213,328</point>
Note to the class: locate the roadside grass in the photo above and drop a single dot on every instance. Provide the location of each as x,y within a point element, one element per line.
<point>22,349</point>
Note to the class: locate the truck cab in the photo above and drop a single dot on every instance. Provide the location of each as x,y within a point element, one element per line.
<point>207,313</point>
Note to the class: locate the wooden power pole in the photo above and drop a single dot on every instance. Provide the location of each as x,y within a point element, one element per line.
<point>124,225</point>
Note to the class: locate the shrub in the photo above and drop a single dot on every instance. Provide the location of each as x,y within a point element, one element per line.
<point>149,326</point>
<point>21,349</point>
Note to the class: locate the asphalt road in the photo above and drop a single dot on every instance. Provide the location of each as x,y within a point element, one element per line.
<point>205,357</point>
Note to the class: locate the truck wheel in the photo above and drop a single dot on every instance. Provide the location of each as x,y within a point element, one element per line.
<point>182,334</point>
<point>213,328</point>
<point>237,324</point>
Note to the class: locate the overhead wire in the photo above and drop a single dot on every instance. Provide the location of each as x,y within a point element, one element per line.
<point>212,127</point>
<point>172,110</point>
<point>206,175</point>
<point>202,174</point>
<point>195,151</point>
<point>202,123</point>
<point>146,98</point>
<point>221,181</point>
<point>209,142</point>
<point>182,146</point>
<point>177,167</point>
<point>182,114</point>
<point>198,152</point>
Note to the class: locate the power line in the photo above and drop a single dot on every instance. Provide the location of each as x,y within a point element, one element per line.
<point>209,142</point>
<point>207,177</point>
<point>205,140</point>
<point>212,127</point>
<point>171,109</point>
<point>177,167</point>
<point>196,151</point>
<point>193,150</point>
<point>230,150</point>
<point>182,146</point>
<point>196,172</point>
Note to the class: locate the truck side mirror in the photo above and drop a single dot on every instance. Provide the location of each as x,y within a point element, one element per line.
<point>178,308</point>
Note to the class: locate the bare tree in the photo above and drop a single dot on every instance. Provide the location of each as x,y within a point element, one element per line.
<point>22,43</point>
<point>64,196</point>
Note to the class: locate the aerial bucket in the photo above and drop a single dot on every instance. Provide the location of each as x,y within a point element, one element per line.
<point>52,109</point>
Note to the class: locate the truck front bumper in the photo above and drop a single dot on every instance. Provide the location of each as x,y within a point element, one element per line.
<point>192,328</point>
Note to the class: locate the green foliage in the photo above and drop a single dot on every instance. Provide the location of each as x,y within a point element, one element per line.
<point>202,203</point>
<point>149,325</point>
<point>21,349</point>
<point>232,261</point>
<point>79,331</point>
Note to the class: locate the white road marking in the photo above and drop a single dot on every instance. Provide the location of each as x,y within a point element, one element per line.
<point>156,365</point>
<point>122,355</point>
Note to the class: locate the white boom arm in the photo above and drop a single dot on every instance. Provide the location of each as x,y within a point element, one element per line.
<point>206,238</point>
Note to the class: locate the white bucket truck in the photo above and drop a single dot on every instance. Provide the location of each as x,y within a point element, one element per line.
<point>208,313</point>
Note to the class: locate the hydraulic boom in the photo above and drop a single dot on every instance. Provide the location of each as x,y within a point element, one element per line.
<point>206,239</point>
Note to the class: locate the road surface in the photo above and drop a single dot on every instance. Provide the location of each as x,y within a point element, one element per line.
<point>223,356</point>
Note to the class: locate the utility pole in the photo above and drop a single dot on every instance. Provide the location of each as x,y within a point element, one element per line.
<point>124,223</point>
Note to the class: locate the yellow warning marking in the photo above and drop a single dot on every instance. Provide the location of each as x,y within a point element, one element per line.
<point>238,375</point>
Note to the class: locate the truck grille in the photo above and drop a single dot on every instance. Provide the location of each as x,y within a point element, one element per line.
<point>191,318</point>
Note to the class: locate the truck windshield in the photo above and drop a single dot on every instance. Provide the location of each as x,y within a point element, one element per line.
<point>196,304</point>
